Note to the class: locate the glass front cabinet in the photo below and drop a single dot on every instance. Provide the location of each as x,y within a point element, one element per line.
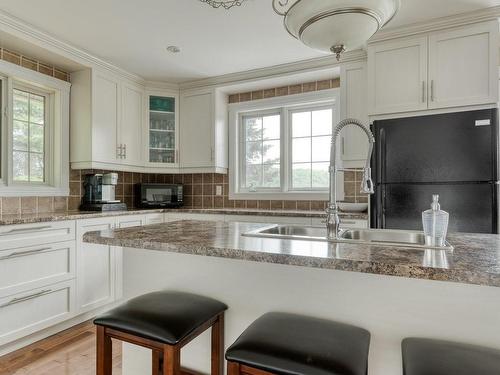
<point>162,130</point>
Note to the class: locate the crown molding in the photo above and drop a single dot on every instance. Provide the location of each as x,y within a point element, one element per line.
<point>311,65</point>
<point>481,15</point>
<point>25,31</point>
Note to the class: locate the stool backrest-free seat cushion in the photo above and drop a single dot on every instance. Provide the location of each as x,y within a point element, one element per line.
<point>165,316</point>
<point>437,357</point>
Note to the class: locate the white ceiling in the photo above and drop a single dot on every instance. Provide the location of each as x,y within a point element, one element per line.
<point>133,34</point>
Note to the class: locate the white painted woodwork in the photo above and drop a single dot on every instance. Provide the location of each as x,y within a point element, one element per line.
<point>26,268</point>
<point>95,267</point>
<point>130,131</point>
<point>203,130</point>
<point>397,76</point>
<point>353,104</point>
<point>22,235</point>
<point>25,313</point>
<point>463,66</point>
<point>154,219</point>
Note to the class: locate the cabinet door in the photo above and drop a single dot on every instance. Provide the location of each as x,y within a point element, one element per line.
<point>105,112</point>
<point>162,130</point>
<point>353,98</point>
<point>397,76</point>
<point>131,125</point>
<point>95,267</point>
<point>463,66</point>
<point>196,130</point>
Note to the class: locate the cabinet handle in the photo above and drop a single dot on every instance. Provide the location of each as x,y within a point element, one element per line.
<point>432,90</point>
<point>119,151</point>
<point>16,254</point>
<point>124,151</point>
<point>26,298</point>
<point>26,230</point>
<point>423,91</point>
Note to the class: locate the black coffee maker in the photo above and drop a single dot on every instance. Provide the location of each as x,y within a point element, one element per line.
<point>100,193</point>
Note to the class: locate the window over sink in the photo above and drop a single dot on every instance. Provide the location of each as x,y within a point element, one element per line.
<point>281,146</point>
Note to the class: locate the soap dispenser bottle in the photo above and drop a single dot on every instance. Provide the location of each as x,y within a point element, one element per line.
<point>435,222</point>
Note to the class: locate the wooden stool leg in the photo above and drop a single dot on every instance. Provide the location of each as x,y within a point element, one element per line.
<point>233,368</point>
<point>157,365</point>
<point>218,346</point>
<point>104,352</point>
<point>171,360</point>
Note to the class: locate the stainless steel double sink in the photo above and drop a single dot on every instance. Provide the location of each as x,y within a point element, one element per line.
<point>361,236</point>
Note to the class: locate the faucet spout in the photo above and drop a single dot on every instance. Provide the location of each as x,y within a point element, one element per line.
<point>333,220</point>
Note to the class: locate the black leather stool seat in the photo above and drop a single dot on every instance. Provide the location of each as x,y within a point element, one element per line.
<point>291,344</point>
<point>166,317</point>
<point>435,357</point>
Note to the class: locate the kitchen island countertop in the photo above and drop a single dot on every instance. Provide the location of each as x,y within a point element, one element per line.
<point>474,260</point>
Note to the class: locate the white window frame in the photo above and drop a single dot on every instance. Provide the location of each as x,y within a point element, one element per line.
<point>57,134</point>
<point>285,105</point>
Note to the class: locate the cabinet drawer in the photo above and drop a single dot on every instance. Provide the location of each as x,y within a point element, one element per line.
<point>12,236</point>
<point>28,312</point>
<point>269,219</point>
<point>344,223</point>
<point>154,219</point>
<point>26,268</point>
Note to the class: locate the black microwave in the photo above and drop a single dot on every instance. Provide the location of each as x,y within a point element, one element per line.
<point>158,195</point>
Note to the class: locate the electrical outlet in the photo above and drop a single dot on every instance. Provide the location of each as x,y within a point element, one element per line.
<point>218,190</point>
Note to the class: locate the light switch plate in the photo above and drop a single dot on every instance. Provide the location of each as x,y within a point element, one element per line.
<point>218,190</point>
<point>485,122</point>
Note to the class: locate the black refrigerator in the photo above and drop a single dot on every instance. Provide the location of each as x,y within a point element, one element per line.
<point>454,155</point>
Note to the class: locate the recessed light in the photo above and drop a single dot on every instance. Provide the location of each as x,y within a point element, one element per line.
<point>173,49</point>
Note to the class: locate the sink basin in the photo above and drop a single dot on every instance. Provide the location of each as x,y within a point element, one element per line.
<point>362,236</point>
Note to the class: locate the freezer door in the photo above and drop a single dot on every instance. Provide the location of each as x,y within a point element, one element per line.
<point>473,208</point>
<point>453,147</point>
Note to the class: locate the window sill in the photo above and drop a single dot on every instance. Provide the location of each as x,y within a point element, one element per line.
<point>33,191</point>
<point>281,196</point>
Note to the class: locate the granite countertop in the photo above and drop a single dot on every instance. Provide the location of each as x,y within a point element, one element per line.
<point>29,218</point>
<point>474,260</point>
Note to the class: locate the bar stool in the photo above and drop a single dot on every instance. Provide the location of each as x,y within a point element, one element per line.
<point>164,322</point>
<point>284,344</point>
<point>436,357</point>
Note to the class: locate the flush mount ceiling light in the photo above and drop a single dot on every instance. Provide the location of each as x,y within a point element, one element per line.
<point>335,25</point>
<point>226,4</point>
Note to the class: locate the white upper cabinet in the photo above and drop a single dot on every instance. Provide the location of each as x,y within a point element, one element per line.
<point>130,131</point>
<point>397,72</point>
<point>203,131</point>
<point>463,66</point>
<point>107,115</point>
<point>354,143</point>
<point>443,69</point>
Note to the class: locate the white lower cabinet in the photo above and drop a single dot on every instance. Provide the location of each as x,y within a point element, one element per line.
<point>95,266</point>
<point>269,219</point>
<point>25,313</point>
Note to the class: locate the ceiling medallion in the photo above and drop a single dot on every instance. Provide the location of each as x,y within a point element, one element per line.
<point>226,4</point>
<point>335,26</point>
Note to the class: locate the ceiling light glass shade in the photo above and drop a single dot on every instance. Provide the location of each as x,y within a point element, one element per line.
<point>335,25</point>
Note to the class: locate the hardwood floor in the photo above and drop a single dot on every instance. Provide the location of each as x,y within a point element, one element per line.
<point>71,352</point>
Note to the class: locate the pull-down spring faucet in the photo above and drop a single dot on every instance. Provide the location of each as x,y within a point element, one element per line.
<point>332,219</point>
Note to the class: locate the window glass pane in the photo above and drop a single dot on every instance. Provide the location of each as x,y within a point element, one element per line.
<point>320,176</point>
<point>20,136</point>
<point>301,124</point>
<point>36,167</point>
<point>253,128</point>
<point>301,150</point>
<point>253,175</point>
<point>271,150</point>
<point>254,152</point>
<point>272,127</point>
<point>21,107</point>
<point>36,138</point>
<point>28,137</point>
<point>321,148</point>
<point>37,109</point>
<point>271,177</point>
<point>20,166</point>
<point>301,175</point>
<point>322,122</point>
